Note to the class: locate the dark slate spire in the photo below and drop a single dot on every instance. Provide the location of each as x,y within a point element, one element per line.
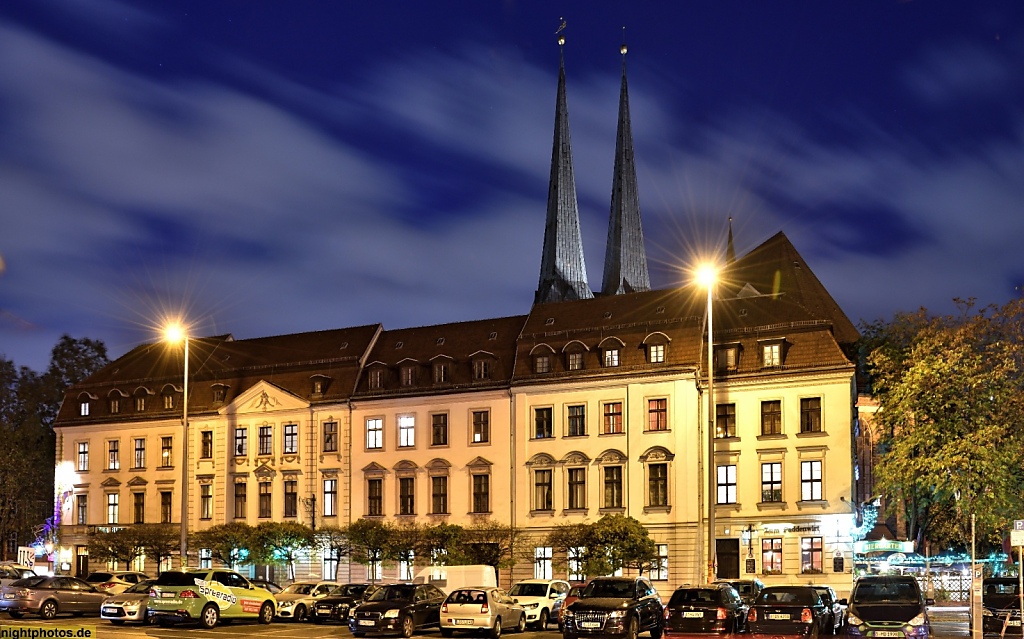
<point>625,261</point>
<point>730,250</point>
<point>563,272</point>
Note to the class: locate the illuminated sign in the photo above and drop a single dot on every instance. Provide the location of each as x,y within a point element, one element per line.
<point>882,545</point>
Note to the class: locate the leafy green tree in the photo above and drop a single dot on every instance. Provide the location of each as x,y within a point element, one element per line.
<point>950,399</point>
<point>228,543</point>
<point>372,542</point>
<point>122,545</point>
<point>159,541</point>
<point>569,542</point>
<point>277,543</point>
<point>333,541</point>
<point>494,544</point>
<point>443,544</point>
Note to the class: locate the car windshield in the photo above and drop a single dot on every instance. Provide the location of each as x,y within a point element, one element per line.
<point>393,593</point>
<point>98,577</point>
<point>886,591</point>
<point>608,588</point>
<point>782,596</point>
<point>694,596</point>
<point>529,590</point>
<point>299,589</point>
<point>1001,588</point>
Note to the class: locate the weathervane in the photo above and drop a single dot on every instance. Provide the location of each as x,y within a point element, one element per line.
<point>622,49</point>
<point>561,28</point>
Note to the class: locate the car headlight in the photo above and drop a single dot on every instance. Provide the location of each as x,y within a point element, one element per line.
<point>617,614</point>
<point>391,614</point>
<point>285,604</point>
<point>918,620</point>
<point>530,606</point>
<point>569,614</point>
<point>985,612</point>
<point>853,619</point>
<point>132,605</point>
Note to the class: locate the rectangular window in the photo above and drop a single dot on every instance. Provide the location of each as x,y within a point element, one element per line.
<point>727,358</point>
<point>83,409</point>
<point>542,490</point>
<point>82,508</point>
<point>291,439</point>
<point>611,357</point>
<point>165,507</point>
<point>810,415</point>
<point>406,496</point>
<point>205,558</point>
<point>771,417</point>
<point>330,443</point>
<point>659,571</point>
<point>206,452</point>
<point>140,452</point>
<point>481,369</point>
<point>542,565</point>
<point>481,493</point>
<point>656,353</point>
<point>266,440</point>
<point>542,364</point>
<point>439,495</point>
<point>577,488</point>
<point>575,361</point>
<point>265,499</point>
<point>481,426</point>
<point>574,563</point>
<point>83,456</point>
<point>771,355</point>
<point>375,433</point>
<point>439,429</point>
<point>771,482</point>
<point>112,506</point>
<point>657,414</point>
<point>115,406</point>
<point>613,487</point>
<point>139,508</point>
<point>441,373</point>
<point>542,423</point>
<point>810,555</point>
<point>408,375</point>
<point>330,497</point>
<point>376,379</point>
<point>407,566</point>
<point>291,498</point>
<point>810,481</point>
<point>114,454</point>
<point>330,564</point>
<point>168,402</point>
<point>726,484</point>
<point>206,501</point>
<point>219,393</point>
<point>241,442</point>
<point>240,501</point>
<point>406,431</point>
<point>577,421</point>
<point>657,484</point>
<point>725,420</point>
<point>375,497</point>
<point>771,555</point>
<point>166,452</point>
<point>140,404</point>
<point>612,418</point>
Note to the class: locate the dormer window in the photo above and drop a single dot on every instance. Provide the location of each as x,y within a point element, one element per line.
<point>408,375</point>
<point>441,372</point>
<point>773,352</point>
<point>115,405</point>
<point>727,358</point>
<point>219,392</point>
<point>168,401</point>
<point>318,386</point>
<point>656,353</point>
<point>83,408</point>
<point>376,379</point>
<point>481,369</point>
<point>611,357</point>
<point>574,361</point>
<point>542,364</point>
<point>140,404</point>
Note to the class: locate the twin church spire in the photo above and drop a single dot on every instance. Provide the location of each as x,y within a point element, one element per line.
<point>563,272</point>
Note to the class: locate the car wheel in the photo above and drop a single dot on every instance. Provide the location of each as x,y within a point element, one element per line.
<point>266,612</point>
<point>633,629</point>
<point>408,626</point>
<point>300,613</point>
<point>542,620</point>
<point>15,615</point>
<point>656,631</point>
<point>209,617</point>
<point>48,610</point>
<point>521,626</point>
<point>447,632</point>
<point>496,629</point>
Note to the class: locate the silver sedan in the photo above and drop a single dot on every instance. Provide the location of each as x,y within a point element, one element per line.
<point>488,610</point>
<point>129,605</point>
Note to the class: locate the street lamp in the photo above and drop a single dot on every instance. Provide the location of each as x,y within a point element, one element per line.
<point>175,333</point>
<point>706,276</point>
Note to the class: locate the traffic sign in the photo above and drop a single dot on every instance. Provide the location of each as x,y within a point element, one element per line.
<point>1018,524</point>
<point>1017,537</point>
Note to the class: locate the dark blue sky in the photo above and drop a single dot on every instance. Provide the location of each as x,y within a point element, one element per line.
<point>271,167</point>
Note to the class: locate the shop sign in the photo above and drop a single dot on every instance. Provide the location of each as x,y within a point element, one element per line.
<point>882,545</point>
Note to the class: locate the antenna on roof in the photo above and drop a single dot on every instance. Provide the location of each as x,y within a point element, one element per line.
<point>558,32</point>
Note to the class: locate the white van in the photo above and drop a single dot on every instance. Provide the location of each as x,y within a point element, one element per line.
<point>449,578</point>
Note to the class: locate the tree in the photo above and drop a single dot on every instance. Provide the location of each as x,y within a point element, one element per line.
<point>372,542</point>
<point>122,545</point>
<point>494,544</point>
<point>332,541</point>
<point>950,402</point>
<point>228,543</point>
<point>570,541</point>
<point>279,543</point>
<point>159,541</point>
<point>442,544</point>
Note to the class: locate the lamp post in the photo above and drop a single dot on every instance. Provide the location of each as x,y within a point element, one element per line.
<point>174,334</point>
<point>706,276</point>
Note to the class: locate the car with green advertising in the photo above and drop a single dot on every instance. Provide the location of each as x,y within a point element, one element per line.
<point>206,596</point>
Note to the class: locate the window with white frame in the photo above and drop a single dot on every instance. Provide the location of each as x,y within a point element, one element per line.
<point>481,426</point>
<point>577,488</point>
<point>241,442</point>
<point>771,355</point>
<point>810,480</point>
<point>542,364</point>
<point>205,558</point>
<point>331,559</point>
<point>771,555</point>
<point>542,568</point>
<point>330,497</point>
<point>406,566</point>
<point>291,439</point>
<point>611,357</point>
<point>375,433</point>
<point>656,353</point>
<point>810,555</point>
<point>659,571</point>
<point>113,454</point>
<point>266,440</point>
<point>113,500</point>
<point>574,561</point>
<point>726,484</point>
<point>83,408</point>
<point>330,444</point>
<point>771,482</point>
<point>574,361</point>
<point>83,456</point>
<point>406,431</point>
<point>375,570</point>
<point>376,379</point>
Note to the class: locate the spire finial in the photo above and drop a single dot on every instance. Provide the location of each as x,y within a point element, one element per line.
<point>623,48</point>
<point>730,250</point>
<point>558,32</point>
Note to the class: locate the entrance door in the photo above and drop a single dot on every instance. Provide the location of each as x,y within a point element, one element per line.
<point>728,552</point>
<point>81,561</point>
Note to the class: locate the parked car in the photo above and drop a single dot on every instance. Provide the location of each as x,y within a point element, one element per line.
<point>489,610</point>
<point>1000,606</point>
<point>50,596</point>
<point>716,609</point>
<point>297,600</point>
<point>748,588</point>
<point>836,609</point>
<point>617,606</point>
<point>129,605</point>
<point>887,606</point>
<point>541,598</point>
<point>788,610</point>
<point>115,581</point>
<point>10,572</point>
<point>397,609</point>
<point>336,604</point>
<point>266,584</point>
<point>207,596</point>
<point>573,595</point>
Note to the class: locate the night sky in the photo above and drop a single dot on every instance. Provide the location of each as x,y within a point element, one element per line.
<point>271,167</point>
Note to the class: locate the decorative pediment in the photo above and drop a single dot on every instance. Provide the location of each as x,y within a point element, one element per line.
<point>575,458</point>
<point>479,462</point>
<point>406,464</point>
<point>264,397</point>
<point>611,456</point>
<point>137,481</point>
<point>438,464</point>
<point>657,454</point>
<point>110,482</point>
<point>373,468</point>
<point>541,459</point>
<point>264,472</point>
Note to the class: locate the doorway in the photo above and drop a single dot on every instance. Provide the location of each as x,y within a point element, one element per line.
<point>728,554</point>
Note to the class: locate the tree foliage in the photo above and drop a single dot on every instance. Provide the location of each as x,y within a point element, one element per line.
<point>333,541</point>
<point>277,543</point>
<point>228,543</point>
<point>122,545</point>
<point>158,541</point>
<point>950,406</point>
<point>611,543</point>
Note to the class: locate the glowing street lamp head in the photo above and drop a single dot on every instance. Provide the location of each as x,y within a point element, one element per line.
<point>175,333</point>
<point>706,275</point>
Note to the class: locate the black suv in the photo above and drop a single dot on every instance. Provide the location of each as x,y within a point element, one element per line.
<point>616,606</point>
<point>1000,607</point>
<point>335,606</point>
<point>887,606</point>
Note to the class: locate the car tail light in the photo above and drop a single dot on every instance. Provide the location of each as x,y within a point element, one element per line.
<point>444,607</point>
<point>722,614</point>
<point>152,592</point>
<point>667,614</point>
<point>188,594</point>
<point>752,615</point>
<point>805,616</point>
<point>108,585</point>
<point>484,609</point>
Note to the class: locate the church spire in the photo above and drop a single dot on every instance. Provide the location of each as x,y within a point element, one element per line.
<point>625,261</point>
<point>563,271</point>
<point>730,250</point>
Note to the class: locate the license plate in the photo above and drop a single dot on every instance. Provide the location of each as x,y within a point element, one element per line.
<point>366,622</point>
<point>463,622</point>
<point>110,611</point>
<point>590,624</point>
<point>1013,622</point>
<point>693,615</point>
<point>888,633</point>
<point>167,595</point>
<point>782,617</point>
